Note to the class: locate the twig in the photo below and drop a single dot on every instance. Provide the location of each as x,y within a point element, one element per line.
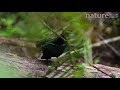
<point>106,41</point>
<point>109,46</point>
<point>66,72</point>
<point>98,44</point>
<point>101,70</point>
<point>52,29</point>
<point>58,71</point>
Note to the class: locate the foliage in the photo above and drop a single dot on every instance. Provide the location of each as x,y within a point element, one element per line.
<point>79,72</point>
<point>31,28</point>
<point>6,27</point>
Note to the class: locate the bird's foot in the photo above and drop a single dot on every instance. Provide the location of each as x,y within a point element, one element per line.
<point>47,62</point>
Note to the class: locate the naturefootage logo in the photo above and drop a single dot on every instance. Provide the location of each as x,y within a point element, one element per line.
<point>99,15</point>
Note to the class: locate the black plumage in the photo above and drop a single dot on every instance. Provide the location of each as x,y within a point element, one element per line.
<point>54,48</point>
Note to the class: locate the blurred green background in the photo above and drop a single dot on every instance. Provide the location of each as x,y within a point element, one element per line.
<point>28,26</point>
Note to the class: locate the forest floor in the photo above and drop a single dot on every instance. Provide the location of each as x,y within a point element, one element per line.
<point>106,56</point>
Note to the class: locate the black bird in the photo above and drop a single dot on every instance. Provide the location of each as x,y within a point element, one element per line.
<point>53,49</point>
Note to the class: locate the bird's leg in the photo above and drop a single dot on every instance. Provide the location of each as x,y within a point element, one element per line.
<point>47,62</point>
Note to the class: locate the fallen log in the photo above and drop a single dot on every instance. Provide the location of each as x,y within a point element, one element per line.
<point>35,69</point>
